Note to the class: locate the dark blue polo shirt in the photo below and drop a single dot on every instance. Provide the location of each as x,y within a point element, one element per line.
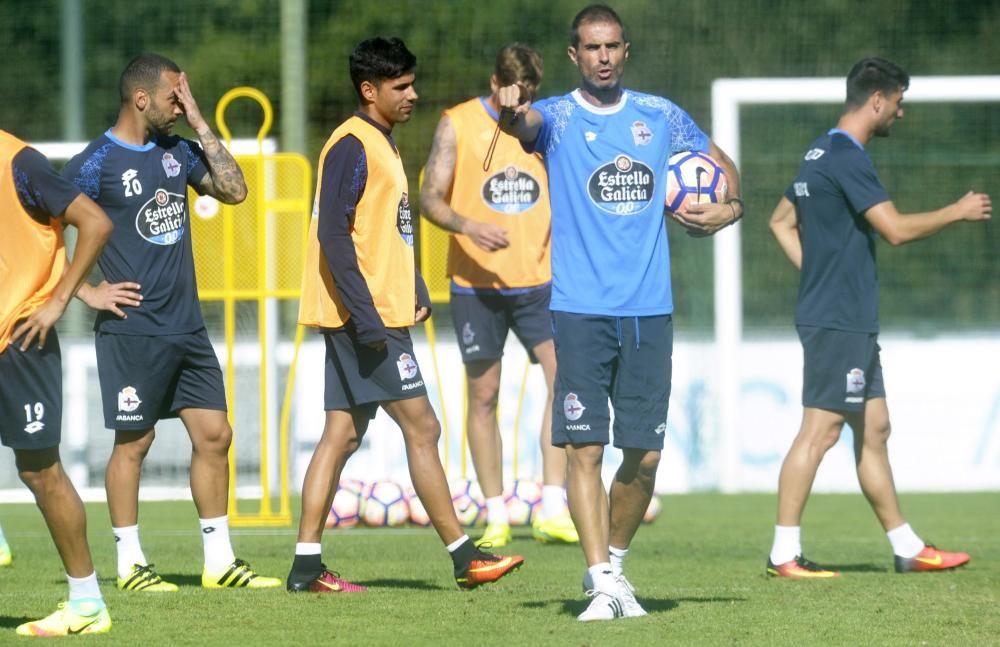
<point>835,185</point>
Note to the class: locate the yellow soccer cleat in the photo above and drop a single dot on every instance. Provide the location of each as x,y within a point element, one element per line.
<point>238,575</point>
<point>144,578</point>
<point>70,618</point>
<point>495,536</point>
<point>555,530</point>
<point>5,557</point>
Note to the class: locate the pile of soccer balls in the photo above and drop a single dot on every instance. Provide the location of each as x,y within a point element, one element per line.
<point>387,504</point>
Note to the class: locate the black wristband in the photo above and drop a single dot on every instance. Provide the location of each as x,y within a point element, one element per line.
<point>743,208</point>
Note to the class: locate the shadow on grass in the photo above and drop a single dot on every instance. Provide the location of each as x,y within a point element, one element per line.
<point>576,607</point>
<point>857,568</point>
<point>9,622</point>
<point>651,605</point>
<point>182,580</point>
<point>188,580</point>
<point>417,585</point>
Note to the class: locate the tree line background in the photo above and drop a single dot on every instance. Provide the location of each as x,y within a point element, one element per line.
<point>950,282</point>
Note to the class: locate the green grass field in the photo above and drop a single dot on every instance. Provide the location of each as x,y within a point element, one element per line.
<point>699,571</point>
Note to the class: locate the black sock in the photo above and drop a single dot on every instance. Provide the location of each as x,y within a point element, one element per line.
<point>307,567</point>
<point>464,554</point>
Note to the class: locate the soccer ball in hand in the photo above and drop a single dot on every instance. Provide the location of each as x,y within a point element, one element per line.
<point>694,178</point>
<point>384,504</point>
<point>523,499</point>
<point>346,508</point>
<point>470,506</point>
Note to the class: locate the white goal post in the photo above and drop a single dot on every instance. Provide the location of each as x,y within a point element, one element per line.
<point>728,96</point>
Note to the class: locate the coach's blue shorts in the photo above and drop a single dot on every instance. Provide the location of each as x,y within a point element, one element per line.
<point>359,377</point>
<point>624,359</point>
<point>483,320</point>
<point>149,378</point>
<point>31,395</point>
<point>841,370</point>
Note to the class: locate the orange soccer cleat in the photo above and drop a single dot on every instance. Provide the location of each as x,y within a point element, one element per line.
<point>800,568</point>
<point>486,567</point>
<point>931,559</point>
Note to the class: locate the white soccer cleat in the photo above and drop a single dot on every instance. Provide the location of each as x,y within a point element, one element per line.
<point>627,594</point>
<point>603,606</point>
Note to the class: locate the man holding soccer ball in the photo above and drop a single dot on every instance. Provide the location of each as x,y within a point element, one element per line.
<point>826,224</point>
<point>606,150</point>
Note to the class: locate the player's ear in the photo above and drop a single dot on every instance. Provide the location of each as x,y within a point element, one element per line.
<point>368,91</point>
<point>140,98</point>
<point>626,49</point>
<point>494,83</point>
<point>572,54</point>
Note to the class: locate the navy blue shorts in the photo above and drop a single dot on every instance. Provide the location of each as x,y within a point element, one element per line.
<point>483,320</point>
<point>148,378</point>
<point>31,395</point>
<point>841,370</point>
<point>359,377</point>
<point>626,360</point>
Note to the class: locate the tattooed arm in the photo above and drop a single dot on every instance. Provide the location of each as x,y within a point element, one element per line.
<point>224,180</point>
<point>438,176</point>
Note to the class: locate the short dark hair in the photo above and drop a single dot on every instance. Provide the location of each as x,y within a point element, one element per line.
<point>594,13</point>
<point>144,72</point>
<point>377,59</point>
<point>518,63</point>
<point>873,74</point>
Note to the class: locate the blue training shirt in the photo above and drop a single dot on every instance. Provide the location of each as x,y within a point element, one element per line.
<point>143,189</point>
<point>836,184</point>
<point>607,171</point>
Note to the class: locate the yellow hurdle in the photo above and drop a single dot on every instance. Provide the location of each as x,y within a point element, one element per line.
<point>277,212</point>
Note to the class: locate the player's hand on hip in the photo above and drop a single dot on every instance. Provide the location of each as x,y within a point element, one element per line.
<point>486,236</point>
<point>185,99</point>
<point>110,296</point>
<point>975,206</point>
<point>38,324</point>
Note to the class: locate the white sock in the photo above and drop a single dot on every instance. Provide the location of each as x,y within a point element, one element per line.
<point>308,548</point>
<point>617,560</point>
<point>83,588</point>
<point>787,544</point>
<point>215,538</point>
<point>3,540</point>
<point>603,578</point>
<point>129,549</point>
<point>453,546</point>
<point>553,501</point>
<point>496,510</point>
<point>905,542</point>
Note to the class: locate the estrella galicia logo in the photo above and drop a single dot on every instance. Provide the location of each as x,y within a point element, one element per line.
<point>404,220</point>
<point>511,191</point>
<point>622,187</point>
<point>162,218</point>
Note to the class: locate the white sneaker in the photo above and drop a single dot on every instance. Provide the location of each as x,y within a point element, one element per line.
<point>603,606</point>
<point>626,593</point>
